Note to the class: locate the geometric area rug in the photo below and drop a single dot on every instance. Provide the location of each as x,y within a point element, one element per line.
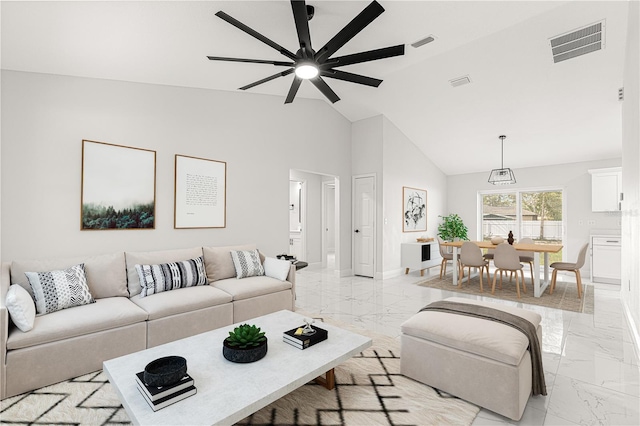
<point>369,390</point>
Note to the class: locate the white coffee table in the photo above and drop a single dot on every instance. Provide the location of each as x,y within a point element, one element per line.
<point>229,392</point>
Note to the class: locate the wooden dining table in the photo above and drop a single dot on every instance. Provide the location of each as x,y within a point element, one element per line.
<point>538,285</point>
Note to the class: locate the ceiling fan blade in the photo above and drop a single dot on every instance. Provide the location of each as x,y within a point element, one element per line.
<point>352,78</point>
<point>325,89</point>
<point>302,26</point>
<point>253,61</point>
<point>264,80</point>
<point>371,55</point>
<point>255,34</point>
<point>356,25</point>
<point>295,85</point>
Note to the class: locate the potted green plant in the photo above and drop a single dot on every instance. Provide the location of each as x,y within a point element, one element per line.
<point>246,343</point>
<point>452,228</point>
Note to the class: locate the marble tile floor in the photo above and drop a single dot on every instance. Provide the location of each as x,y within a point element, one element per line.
<point>591,368</point>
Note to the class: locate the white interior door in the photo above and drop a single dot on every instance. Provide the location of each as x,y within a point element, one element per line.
<point>364,226</point>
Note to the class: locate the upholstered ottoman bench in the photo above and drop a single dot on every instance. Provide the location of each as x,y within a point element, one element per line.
<point>481,361</point>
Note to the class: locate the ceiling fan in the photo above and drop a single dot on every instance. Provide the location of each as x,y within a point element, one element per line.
<point>312,65</point>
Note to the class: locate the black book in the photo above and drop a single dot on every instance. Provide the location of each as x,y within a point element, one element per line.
<point>168,400</point>
<point>155,393</point>
<point>303,341</point>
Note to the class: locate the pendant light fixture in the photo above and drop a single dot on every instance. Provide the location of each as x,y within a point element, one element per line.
<point>502,176</point>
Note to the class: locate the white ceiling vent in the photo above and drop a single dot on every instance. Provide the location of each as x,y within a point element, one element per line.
<point>423,41</point>
<point>461,81</point>
<point>579,42</point>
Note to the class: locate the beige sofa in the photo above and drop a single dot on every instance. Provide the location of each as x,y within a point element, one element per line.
<point>75,341</point>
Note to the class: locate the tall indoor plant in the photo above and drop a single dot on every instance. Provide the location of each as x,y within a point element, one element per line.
<point>452,228</point>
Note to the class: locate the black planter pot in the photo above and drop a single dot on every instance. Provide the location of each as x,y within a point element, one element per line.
<point>251,354</point>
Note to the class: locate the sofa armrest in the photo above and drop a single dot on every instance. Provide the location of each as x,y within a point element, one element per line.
<point>292,279</point>
<point>5,282</point>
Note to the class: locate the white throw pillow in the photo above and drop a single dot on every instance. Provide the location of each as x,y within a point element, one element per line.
<point>21,307</point>
<point>276,268</point>
<point>247,263</point>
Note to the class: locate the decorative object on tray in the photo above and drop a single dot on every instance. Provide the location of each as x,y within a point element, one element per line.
<point>497,240</point>
<point>510,239</point>
<point>414,209</point>
<point>304,336</point>
<point>286,257</point>
<point>246,343</point>
<point>165,381</point>
<point>165,371</point>
<point>424,240</point>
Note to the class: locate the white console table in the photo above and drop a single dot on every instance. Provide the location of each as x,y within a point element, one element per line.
<point>420,256</point>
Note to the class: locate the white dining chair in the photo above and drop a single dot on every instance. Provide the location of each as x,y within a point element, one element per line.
<point>506,258</point>
<point>527,256</point>
<point>471,257</point>
<point>446,257</point>
<point>567,266</point>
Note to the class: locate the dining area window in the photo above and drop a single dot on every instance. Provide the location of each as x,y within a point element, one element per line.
<point>535,214</point>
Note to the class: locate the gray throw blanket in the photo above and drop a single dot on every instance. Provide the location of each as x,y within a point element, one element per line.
<point>526,327</point>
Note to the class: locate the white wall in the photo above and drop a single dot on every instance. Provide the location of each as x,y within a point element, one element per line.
<point>631,174</point>
<point>572,178</point>
<point>405,165</point>
<point>313,214</point>
<point>379,147</point>
<point>45,118</point>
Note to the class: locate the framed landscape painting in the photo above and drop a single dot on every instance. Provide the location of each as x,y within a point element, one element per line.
<point>414,209</point>
<point>118,187</point>
<point>200,193</point>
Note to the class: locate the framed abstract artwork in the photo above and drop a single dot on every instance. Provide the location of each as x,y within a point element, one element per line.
<point>414,209</point>
<point>200,193</point>
<point>118,187</point>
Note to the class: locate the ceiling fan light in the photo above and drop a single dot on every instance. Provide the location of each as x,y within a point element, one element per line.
<point>307,70</point>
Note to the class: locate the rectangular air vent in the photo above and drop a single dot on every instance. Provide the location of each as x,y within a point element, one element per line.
<point>422,42</point>
<point>579,42</point>
<point>460,81</point>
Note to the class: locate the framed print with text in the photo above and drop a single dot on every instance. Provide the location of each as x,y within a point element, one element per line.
<point>200,193</point>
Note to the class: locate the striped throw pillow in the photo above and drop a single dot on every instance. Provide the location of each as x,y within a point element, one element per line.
<point>247,263</point>
<point>169,276</point>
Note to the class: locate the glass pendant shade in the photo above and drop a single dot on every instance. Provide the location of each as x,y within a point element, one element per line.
<point>502,176</point>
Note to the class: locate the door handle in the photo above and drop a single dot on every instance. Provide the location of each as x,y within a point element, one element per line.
<point>356,231</point>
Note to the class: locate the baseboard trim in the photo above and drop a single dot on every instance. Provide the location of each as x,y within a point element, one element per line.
<point>633,328</point>
<point>388,274</point>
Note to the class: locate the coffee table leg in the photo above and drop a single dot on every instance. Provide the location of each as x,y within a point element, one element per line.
<point>329,381</point>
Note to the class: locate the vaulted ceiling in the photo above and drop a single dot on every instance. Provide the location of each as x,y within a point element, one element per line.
<point>552,113</point>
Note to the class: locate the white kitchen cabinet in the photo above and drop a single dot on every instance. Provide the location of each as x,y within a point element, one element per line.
<point>420,256</point>
<point>606,187</point>
<point>606,259</point>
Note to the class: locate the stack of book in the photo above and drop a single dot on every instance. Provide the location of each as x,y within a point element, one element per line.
<point>160,397</point>
<point>296,338</point>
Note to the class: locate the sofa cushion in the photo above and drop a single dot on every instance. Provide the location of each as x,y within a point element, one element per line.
<point>247,263</point>
<point>182,300</point>
<point>105,314</point>
<point>56,290</point>
<point>152,258</point>
<point>251,287</point>
<point>106,274</point>
<point>21,307</point>
<point>171,276</point>
<point>219,263</point>
<point>490,339</point>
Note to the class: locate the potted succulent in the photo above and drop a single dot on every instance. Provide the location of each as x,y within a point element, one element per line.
<point>246,343</point>
<point>452,228</point>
